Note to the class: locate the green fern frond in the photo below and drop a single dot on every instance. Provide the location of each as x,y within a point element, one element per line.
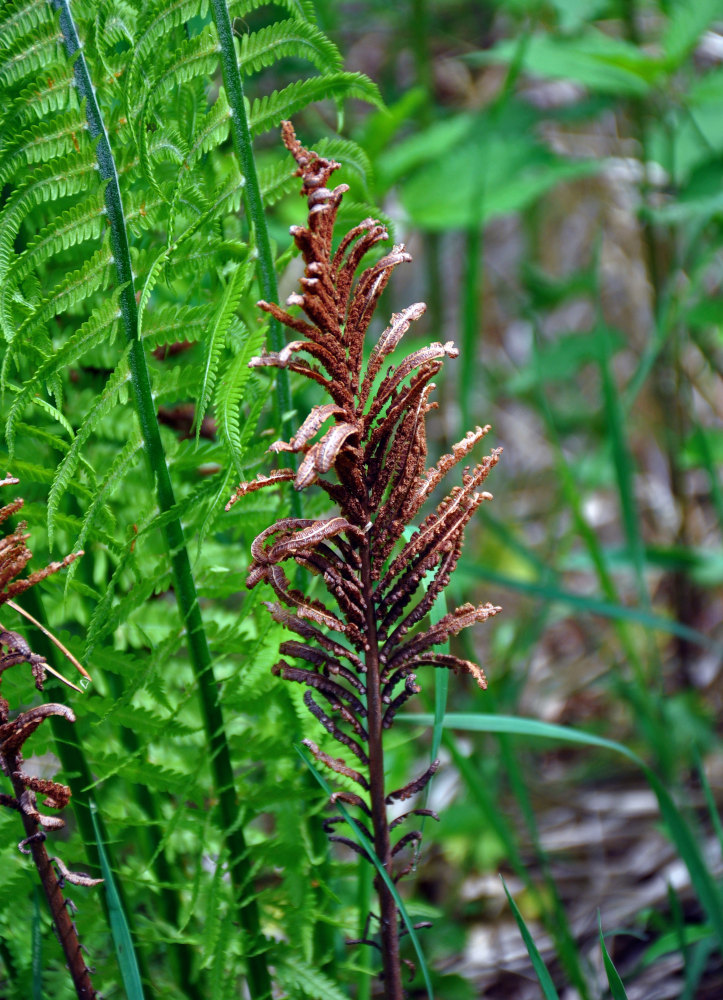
<point>97,329</point>
<point>107,615</point>
<point>70,292</point>
<point>277,180</point>
<point>55,413</point>
<point>304,10</point>
<point>104,402</point>
<point>291,37</point>
<point>169,323</point>
<point>193,58</point>
<point>304,982</point>
<point>52,93</point>
<point>238,283</point>
<point>199,256</point>
<point>55,442</point>
<point>60,178</point>
<point>40,143</point>
<point>163,145</point>
<point>75,226</point>
<point>213,129</point>
<point>160,19</point>
<point>32,473</point>
<point>29,53</point>
<point>71,526</point>
<point>227,402</point>
<point>114,24</point>
<point>227,198</point>
<point>267,112</point>
<point>124,461</point>
<point>143,211</point>
<point>351,155</point>
<point>21,18</point>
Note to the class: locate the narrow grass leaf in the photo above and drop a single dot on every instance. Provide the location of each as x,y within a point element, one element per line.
<point>623,468</point>
<point>614,981</point>
<point>36,945</point>
<point>592,605</point>
<point>118,923</point>
<point>703,883</point>
<point>709,799</point>
<point>548,987</point>
<point>367,846</point>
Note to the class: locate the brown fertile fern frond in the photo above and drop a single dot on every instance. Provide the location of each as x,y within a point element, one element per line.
<point>372,436</point>
<point>14,650</point>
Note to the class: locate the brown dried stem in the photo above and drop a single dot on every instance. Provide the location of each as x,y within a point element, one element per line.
<point>14,556</point>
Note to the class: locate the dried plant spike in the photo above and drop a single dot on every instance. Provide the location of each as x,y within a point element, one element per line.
<point>366,448</point>
<point>14,733</point>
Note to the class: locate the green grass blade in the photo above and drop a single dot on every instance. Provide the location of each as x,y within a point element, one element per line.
<point>703,883</point>
<point>441,688</point>
<point>118,923</point>
<point>614,981</point>
<point>367,846</point>
<point>36,946</point>
<point>709,799</point>
<point>552,911</point>
<point>623,464</point>
<point>592,605</point>
<point>548,987</point>
<point>518,726</point>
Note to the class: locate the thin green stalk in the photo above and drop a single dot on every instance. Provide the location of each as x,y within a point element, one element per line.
<point>242,144</point>
<point>182,576</point>
<point>418,25</point>
<point>553,913</point>
<point>471,323</point>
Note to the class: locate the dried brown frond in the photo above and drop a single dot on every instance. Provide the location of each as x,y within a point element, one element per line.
<point>367,449</point>
<point>14,733</point>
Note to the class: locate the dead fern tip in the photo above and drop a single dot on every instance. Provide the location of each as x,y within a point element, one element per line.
<point>366,447</point>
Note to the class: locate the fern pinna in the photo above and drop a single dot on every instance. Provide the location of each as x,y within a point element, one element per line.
<point>376,446</point>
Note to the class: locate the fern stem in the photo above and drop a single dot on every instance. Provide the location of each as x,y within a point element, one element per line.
<point>243,147</point>
<point>182,575</point>
<point>62,921</point>
<point>388,919</point>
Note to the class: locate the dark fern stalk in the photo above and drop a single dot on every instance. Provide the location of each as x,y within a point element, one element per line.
<point>14,556</point>
<point>381,587</point>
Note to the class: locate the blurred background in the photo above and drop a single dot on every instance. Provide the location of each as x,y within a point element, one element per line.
<point>555,169</point>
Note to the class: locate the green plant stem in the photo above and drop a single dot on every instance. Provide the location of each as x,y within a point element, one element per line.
<point>243,147</point>
<point>418,24</point>
<point>471,325</point>
<point>182,576</point>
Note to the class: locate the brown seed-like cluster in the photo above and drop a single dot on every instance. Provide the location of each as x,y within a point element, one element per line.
<point>367,449</point>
